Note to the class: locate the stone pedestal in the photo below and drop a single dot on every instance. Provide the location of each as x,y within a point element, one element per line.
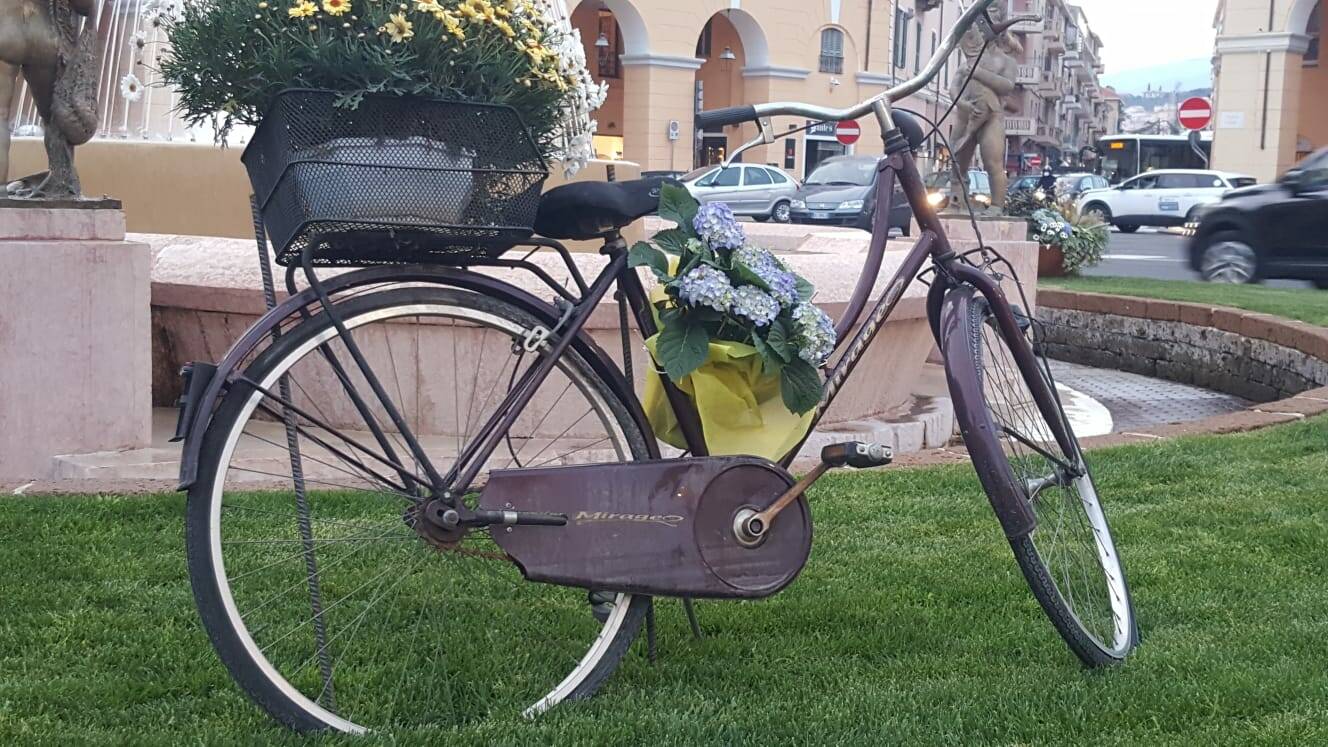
<point>75,335</point>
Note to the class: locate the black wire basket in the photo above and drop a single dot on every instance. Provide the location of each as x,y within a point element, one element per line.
<point>394,180</point>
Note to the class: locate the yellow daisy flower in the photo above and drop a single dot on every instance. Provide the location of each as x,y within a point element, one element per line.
<point>504,27</point>
<point>398,28</point>
<point>428,6</point>
<point>336,7</point>
<point>302,9</point>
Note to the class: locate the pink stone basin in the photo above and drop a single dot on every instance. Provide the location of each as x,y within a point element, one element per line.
<point>206,291</point>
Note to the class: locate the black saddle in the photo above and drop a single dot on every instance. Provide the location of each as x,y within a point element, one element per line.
<point>588,210</point>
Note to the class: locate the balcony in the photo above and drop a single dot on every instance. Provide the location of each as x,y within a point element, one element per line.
<point>1020,126</point>
<point>1070,103</point>
<point>1049,85</point>
<point>1051,35</point>
<point>1073,57</point>
<point>1028,8</point>
<point>1028,76</point>
<point>1099,67</point>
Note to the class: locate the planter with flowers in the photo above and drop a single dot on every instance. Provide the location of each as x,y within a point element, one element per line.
<point>387,131</point>
<point>1068,240</point>
<point>738,333</point>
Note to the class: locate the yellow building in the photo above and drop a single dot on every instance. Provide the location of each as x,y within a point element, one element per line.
<point>1270,89</point>
<point>666,59</point>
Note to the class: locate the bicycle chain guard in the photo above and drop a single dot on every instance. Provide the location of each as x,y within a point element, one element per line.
<point>663,528</point>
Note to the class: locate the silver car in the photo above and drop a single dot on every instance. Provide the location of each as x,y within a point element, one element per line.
<point>763,192</point>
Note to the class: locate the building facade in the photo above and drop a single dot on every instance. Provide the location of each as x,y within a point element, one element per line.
<point>667,59</point>
<point>1060,109</point>
<point>1270,88</point>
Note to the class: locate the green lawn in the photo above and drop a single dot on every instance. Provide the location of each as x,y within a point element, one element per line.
<point>910,625</point>
<point>1307,305</point>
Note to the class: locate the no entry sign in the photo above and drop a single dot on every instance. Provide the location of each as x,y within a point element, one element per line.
<point>848,132</point>
<point>1195,113</point>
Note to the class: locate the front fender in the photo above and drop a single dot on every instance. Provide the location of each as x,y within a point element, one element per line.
<point>200,410</point>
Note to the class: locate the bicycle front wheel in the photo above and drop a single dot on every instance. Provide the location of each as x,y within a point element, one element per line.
<point>1009,420</point>
<point>325,593</point>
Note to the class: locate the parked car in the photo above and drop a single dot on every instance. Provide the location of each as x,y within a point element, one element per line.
<point>1074,185</point>
<point>763,192</point>
<point>979,189</point>
<point>841,191</point>
<point>1268,231</point>
<point>1168,197</point>
<point>1023,184</point>
<point>665,174</point>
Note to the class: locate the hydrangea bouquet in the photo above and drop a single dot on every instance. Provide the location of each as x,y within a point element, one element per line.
<point>718,288</point>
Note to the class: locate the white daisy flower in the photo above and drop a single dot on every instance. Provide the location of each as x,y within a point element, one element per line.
<point>131,87</point>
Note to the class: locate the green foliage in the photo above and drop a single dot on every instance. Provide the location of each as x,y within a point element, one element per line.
<point>228,59</point>
<point>800,385</point>
<point>683,346</point>
<point>1081,238</point>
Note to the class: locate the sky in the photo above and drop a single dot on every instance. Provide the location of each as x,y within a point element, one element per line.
<point>1144,33</point>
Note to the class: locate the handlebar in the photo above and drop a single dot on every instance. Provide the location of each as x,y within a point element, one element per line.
<point>977,13</point>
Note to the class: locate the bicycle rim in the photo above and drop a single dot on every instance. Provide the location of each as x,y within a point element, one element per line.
<point>353,619</point>
<point>1083,584</point>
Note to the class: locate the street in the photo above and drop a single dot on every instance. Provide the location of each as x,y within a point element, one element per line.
<point>1156,254</point>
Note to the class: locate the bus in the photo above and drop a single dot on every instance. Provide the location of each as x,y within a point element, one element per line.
<point>1125,156</point>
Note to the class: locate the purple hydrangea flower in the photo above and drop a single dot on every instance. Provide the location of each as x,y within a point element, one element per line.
<point>717,227</point>
<point>764,265</point>
<point>706,286</point>
<point>750,302</point>
<point>814,334</point>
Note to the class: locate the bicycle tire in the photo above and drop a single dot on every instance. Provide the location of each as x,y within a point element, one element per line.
<point>234,645</point>
<point>969,334</point>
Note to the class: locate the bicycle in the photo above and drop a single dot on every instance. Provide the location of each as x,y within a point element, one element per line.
<point>540,525</point>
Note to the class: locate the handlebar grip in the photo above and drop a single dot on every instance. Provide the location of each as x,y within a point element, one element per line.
<point>729,116</point>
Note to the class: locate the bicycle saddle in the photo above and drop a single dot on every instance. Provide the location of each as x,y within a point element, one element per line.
<point>588,210</point>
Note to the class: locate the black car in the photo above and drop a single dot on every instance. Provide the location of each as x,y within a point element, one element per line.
<point>1268,231</point>
<point>841,191</point>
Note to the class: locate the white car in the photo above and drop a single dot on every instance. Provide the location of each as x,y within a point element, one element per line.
<point>1166,197</point>
<point>763,192</point>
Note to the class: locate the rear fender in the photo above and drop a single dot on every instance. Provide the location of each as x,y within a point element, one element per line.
<point>198,416</point>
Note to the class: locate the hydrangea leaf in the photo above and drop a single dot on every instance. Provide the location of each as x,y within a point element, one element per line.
<point>678,205</point>
<point>770,362</point>
<point>682,347</point>
<point>800,386</point>
<point>645,255</point>
<point>778,340</point>
<point>805,289</point>
<point>672,240</point>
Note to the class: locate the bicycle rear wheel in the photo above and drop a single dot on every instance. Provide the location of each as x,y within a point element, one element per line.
<point>324,594</point>
<point>1009,421</point>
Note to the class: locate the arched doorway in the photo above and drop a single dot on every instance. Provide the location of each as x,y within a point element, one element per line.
<point>609,30</point>
<point>730,42</point>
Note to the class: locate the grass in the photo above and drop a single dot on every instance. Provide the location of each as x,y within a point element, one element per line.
<point>910,625</point>
<point>1307,305</point>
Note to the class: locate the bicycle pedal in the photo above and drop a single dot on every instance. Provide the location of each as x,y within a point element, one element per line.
<point>857,454</point>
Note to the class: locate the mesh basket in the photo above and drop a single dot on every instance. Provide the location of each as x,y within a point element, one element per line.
<point>394,180</point>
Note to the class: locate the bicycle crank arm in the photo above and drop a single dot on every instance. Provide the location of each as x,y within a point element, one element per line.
<point>750,527</point>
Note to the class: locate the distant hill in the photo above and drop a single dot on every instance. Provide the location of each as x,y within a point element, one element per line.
<point>1188,74</point>
<point>1148,102</point>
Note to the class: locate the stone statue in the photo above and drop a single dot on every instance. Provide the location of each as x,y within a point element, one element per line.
<point>980,111</point>
<point>43,40</point>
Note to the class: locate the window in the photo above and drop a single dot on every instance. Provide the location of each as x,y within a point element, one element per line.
<point>703,43</point>
<point>757,176</point>
<point>777,177</point>
<point>917,47</point>
<point>832,51</point>
<point>1243,181</point>
<point>901,37</point>
<point>1143,182</point>
<point>1175,181</point>
<point>729,177</point>
<point>1314,29</point>
<point>708,179</point>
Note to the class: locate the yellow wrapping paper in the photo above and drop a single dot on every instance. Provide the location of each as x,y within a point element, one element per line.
<point>742,411</point>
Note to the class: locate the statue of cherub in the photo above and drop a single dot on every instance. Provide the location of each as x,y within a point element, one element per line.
<point>980,107</point>
<point>44,40</point>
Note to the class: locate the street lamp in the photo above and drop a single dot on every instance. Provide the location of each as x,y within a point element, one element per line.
<point>602,41</point>
<point>726,57</point>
